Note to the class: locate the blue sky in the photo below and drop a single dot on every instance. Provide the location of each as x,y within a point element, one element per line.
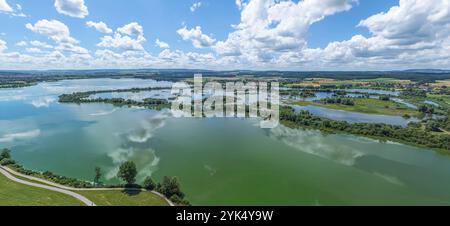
<point>270,34</point>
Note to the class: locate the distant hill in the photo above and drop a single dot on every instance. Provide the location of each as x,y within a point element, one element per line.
<point>431,71</point>
<point>428,75</point>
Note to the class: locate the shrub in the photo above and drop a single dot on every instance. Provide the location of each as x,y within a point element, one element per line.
<point>170,187</point>
<point>7,162</point>
<point>5,154</point>
<point>149,184</point>
<point>177,200</point>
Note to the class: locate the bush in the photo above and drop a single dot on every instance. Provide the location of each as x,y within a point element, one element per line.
<point>149,184</point>
<point>384,98</point>
<point>177,200</point>
<point>170,187</point>
<point>432,126</point>
<point>5,154</point>
<point>7,162</point>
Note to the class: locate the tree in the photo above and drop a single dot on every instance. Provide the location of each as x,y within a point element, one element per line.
<point>170,187</point>
<point>98,175</point>
<point>128,172</point>
<point>384,98</point>
<point>7,162</point>
<point>426,109</point>
<point>6,154</point>
<point>432,126</point>
<point>149,184</point>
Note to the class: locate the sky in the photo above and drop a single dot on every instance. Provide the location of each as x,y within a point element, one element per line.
<point>302,35</point>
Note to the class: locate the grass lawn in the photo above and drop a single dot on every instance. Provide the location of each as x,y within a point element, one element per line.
<point>368,106</point>
<point>15,194</point>
<point>122,198</point>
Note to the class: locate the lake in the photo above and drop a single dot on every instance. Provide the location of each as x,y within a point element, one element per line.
<point>218,161</point>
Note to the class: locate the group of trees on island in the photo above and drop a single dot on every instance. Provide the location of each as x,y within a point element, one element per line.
<point>414,93</point>
<point>410,134</point>
<point>338,100</point>
<point>83,97</point>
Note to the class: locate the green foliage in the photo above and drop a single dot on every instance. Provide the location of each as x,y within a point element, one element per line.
<point>170,187</point>
<point>72,182</point>
<point>432,126</point>
<point>83,97</point>
<point>426,109</point>
<point>149,184</point>
<point>5,154</point>
<point>343,101</point>
<point>98,175</point>
<point>414,93</point>
<point>385,98</point>
<point>176,199</point>
<point>128,172</point>
<point>7,162</point>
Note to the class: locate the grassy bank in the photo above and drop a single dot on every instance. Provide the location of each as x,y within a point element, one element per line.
<point>367,106</point>
<point>15,194</point>
<point>124,198</point>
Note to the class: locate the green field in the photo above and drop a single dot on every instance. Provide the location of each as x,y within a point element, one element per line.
<point>14,194</point>
<point>124,198</point>
<point>443,98</point>
<point>368,106</point>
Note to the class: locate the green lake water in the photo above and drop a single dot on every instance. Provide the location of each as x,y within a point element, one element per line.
<point>218,161</point>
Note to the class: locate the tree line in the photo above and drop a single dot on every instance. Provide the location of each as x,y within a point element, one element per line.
<point>410,134</point>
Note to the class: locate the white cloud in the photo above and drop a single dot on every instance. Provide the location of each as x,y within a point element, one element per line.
<point>5,7</point>
<point>161,44</point>
<point>60,34</point>
<point>129,38</point>
<point>73,8</point>
<point>33,50</point>
<point>21,43</point>
<point>239,4</point>
<point>272,34</point>
<point>122,42</point>
<point>3,46</point>
<point>412,33</point>
<point>195,6</point>
<point>133,28</point>
<point>53,29</point>
<point>40,44</point>
<point>270,27</point>
<point>100,26</point>
<point>196,36</point>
